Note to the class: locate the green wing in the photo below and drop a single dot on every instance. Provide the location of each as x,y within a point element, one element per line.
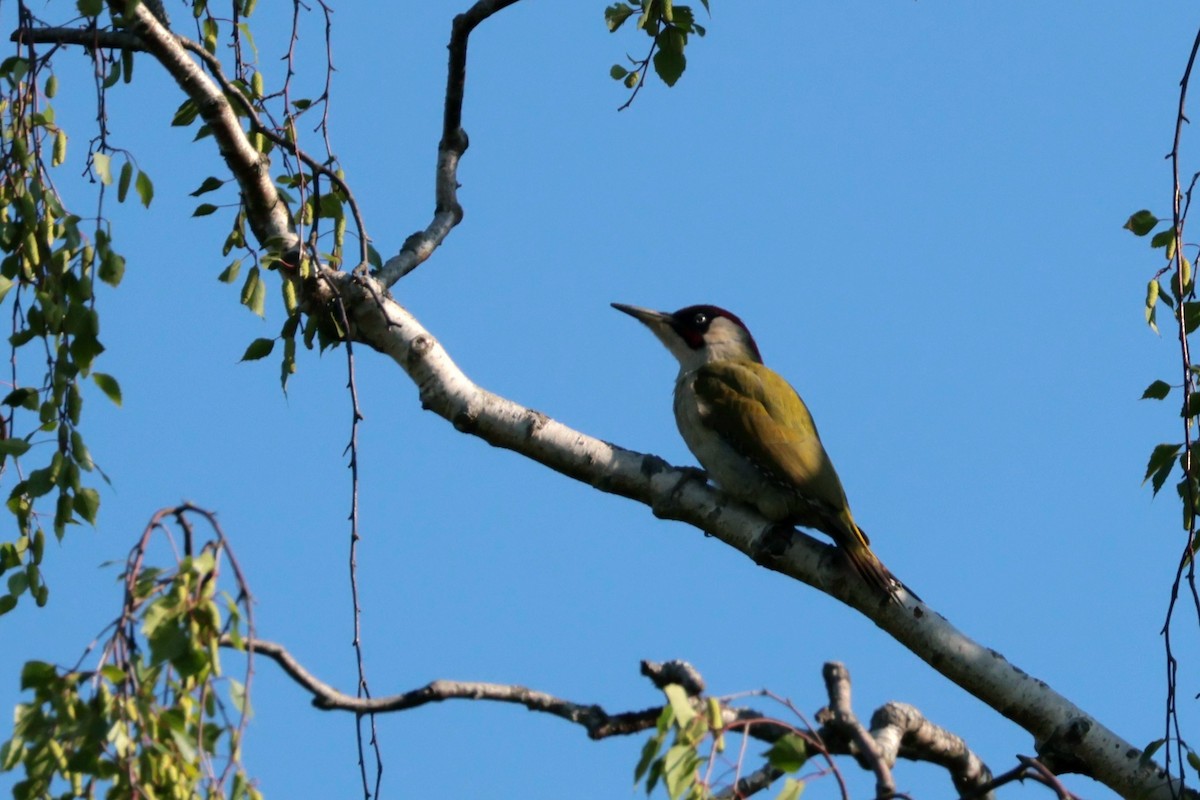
<point>752,406</point>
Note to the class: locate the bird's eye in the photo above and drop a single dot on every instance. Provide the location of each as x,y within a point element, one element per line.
<point>700,320</point>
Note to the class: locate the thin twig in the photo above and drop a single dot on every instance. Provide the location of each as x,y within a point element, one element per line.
<point>1172,733</point>
<point>362,691</point>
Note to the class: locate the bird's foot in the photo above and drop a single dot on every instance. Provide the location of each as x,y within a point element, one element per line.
<point>772,544</point>
<point>694,473</point>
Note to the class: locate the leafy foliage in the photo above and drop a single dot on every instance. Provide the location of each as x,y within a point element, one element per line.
<point>1186,312</point>
<point>693,765</point>
<point>668,26</point>
<point>155,717</point>
<point>48,273</point>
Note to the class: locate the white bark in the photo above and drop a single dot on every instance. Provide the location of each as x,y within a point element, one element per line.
<point>1066,737</point>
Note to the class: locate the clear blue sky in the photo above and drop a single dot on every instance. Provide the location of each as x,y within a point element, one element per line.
<point>917,208</point>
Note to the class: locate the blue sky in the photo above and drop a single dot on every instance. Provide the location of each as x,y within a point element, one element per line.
<point>917,209</point>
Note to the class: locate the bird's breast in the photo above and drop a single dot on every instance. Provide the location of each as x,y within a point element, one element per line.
<point>735,474</point>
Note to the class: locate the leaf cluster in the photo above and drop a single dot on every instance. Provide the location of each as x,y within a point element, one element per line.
<point>668,26</point>
<point>49,267</point>
<point>1143,223</point>
<point>697,729</point>
<point>1180,300</point>
<point>156,717</point>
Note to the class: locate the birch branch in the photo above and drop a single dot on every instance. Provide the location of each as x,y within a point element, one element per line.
<point>447,212</point>
<point>898,730</point>
<point>1079,742</point>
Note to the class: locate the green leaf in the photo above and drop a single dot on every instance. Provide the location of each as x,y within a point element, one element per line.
<point>80,452</point>
<point>1156,391</point>
<point>669,61</point>
<point>1152,290</point>
<point>25,398</point>
<point>258,299</point>
<point>1191,405</point>
<point>259,348</point>
<point>145,188</point>
<point>210,184</point>
<point>1165,298</point>
<point>18,582</point>
<point>112,268</point>
<point>108,384</point>
<point>1162,238</point>
<point>13,447</point>
<point>7,604</point>
<point>254,293</point>
<point>649,752</point>
<point>124,181</point>
<point>616,14</point>
<point>230,273</point>
<point>653,776</point>
<point>36,675</point>
<point>1191,316</point>
<point>680,703</point>
<point>1193,759</point>
<point>102,164</point>
<point>1147,753</point>
<point>167,643</point>
<point>86,504</point>
<point>792,789</point>
<point>1141,223</point>
<point>237,695</point>
<point>204,209</point>
<point>788,753</point>
<point>210,35</point>
<point>84,350</point>
<point>679,770</point>
<point>1162,459</point>
<point>186,114</point>
<point>90,8</point>
<point>59,152</point>
<point>186,747</point>
<point>618,72</point>
<point>113,674</point>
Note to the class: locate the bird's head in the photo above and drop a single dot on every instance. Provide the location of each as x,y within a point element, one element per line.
<point>698,335</point>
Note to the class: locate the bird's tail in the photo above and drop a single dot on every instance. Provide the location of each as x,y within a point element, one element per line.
<point>857,547</point>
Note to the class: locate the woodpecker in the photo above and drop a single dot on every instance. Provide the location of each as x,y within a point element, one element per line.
<point>753,434</point>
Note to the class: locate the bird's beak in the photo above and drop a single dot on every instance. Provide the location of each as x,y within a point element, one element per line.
<point>648,317</point>
<point>661,324</point>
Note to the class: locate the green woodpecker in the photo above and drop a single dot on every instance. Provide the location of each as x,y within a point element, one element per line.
<point>752,433</point>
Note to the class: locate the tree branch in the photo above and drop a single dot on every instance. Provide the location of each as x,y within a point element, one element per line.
<point>841,718</point>
<point>922,741</point>
<point>897,730</point>
<point>671,493</point>
<point>447,213</point>
<point>598,723</point>
<point>901,730</point>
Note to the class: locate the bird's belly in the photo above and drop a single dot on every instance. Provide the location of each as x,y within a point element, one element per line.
<point>736,475</point>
